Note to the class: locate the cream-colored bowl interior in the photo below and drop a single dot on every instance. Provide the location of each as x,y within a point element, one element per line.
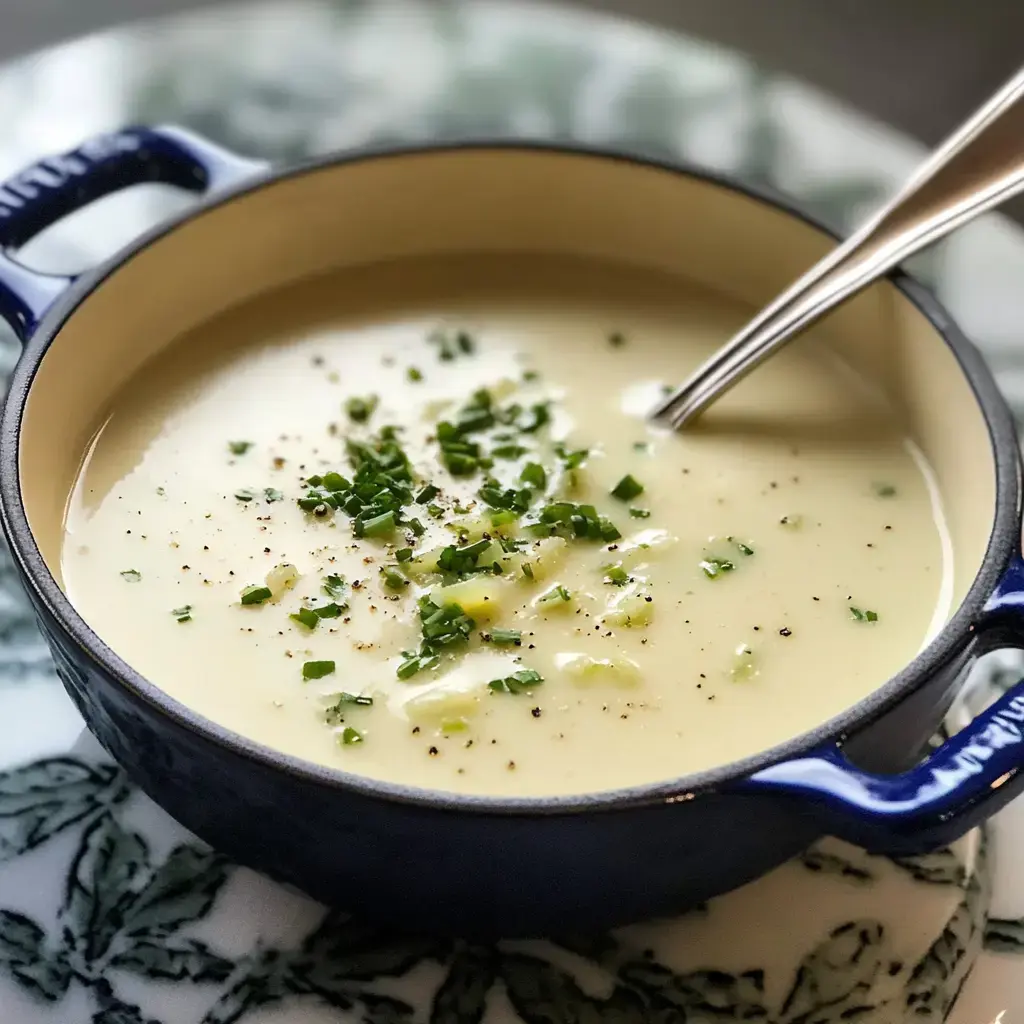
<point>493,201</point>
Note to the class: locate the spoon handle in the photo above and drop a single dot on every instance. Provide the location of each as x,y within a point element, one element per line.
<point>977,168</point>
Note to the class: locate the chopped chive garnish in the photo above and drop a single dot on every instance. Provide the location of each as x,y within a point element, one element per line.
<point>537,416</point>
<point>504,637</point>
<point>414,374</point>
<point>527,570</point>
<point>131,575</point>
<point>305,617</point>
<point>616,575</point>
<point>351,736</point>
<point>572,459</point>
<point>616,339</point>
<point>161,492</point>
<point>715,567</point>
<point>333,586</point>
<point>379,526</point>
<point>317,669</point>
<point>393,579</point>
<point>641,446</point>
<point>519,682</point>
<point>575,520</point>
<point>403,554</point>
<point>245,494</point>
<point>353,700</point>
<point>271,494</point>
<point>329,611</point>
<point>361,409</point>
<point>345,702</point>
<point>335,482</point>
<point>427,494</point>
<point>435,511</point>
<point>503,517</point>
<point>884,490</point>
<point>530,375</point>
<point>315,480</point>
<point>460,464</point>
<point>509,451</point>
<point>640,513</point>
<point>408,668</point>
<point>466,344</point>
<point>183,614</point>
<point>557,593</point>
<point>533,475</point>
<point>627,488</point>
<point>744,549</point>
<point>863,615</point>
<point>239,447</point>
<point>417,527</point>
<point>256,594</point>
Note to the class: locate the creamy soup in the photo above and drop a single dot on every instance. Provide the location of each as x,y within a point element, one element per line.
<point>412,523</point>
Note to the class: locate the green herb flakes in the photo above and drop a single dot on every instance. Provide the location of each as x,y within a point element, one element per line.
<point>533,475</point>
<point>414,375</point>
<point>615,575</point>
<point>393,578</point>
<point>627,488</point>
<point>556,595</point>
<point>715,567</point>
<point>639,513</point>
<point>344,703</point>
<point>256,594</point>
<point>351,736</point>
<point>272,494</point>
<point>616,339</point>
<point>239,447</point>
<point>305,617</point>
<point>522,681</point>
<point>883,490</point>
<point>245,494</point>
<point>183,614</point>
<point>503,637</point>
<point>333,586</point>
<point>131,575</point>
<point>361,409</point>
<point>863,614</point>
<point>317,669</point>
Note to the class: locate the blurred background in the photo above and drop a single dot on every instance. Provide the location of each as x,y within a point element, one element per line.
<point>831,103</point>
<point>918,64</point>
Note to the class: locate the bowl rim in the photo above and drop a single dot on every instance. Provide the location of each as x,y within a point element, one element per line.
<point>951,641</point>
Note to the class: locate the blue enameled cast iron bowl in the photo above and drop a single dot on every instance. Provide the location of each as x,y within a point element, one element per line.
<point>471,864</point>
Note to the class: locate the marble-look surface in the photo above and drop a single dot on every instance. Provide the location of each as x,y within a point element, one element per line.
<point>110,914</point>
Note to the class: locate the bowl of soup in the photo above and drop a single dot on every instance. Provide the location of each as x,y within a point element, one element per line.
<point>339,505</point>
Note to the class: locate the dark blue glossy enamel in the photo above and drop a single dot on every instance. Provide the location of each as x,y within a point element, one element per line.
<point>964,781</point>
<point>50,189</point>
<point>513,867</point>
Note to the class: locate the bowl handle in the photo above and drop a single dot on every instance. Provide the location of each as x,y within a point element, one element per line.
<point>960,784</point>
<point>55,186</point>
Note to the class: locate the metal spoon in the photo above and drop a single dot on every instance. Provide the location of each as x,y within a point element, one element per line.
<point>978,167</point>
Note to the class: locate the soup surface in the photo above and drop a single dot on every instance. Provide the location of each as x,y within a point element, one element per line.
<point>411,522</point>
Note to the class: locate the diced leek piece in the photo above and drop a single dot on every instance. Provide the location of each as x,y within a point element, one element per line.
<point>481,597</point>
<point>584,670</point>
<point>632,608</point>
<point>282,578</point>
<point>544,558</point>
<point>423,564</point>
<point>643,546</point>
<point>744,664</point>
<point>440,704</point>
